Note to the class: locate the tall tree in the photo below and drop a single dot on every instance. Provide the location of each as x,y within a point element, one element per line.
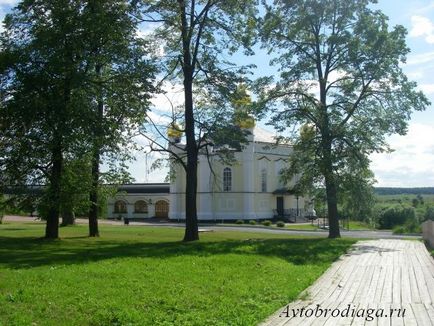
<point>41,72</point>
<point>340,73</point>
<point>75,81</point>
<point>196,35</point>
<point>119,84</point>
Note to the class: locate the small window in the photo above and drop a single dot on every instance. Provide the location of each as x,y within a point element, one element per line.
<point>227,179</point>
<point>120,207</point>
<point>140,207</point>
<point>264,180</point>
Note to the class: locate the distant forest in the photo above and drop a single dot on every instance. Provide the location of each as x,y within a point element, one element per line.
<point>402,191</point>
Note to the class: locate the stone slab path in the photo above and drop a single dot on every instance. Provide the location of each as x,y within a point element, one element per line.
<point>379,282</point>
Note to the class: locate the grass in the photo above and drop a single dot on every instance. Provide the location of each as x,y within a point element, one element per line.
<point>304,227</point>
<point>146,276</point>
<point>354,225</point>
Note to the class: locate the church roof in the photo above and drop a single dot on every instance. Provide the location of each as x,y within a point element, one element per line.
<point>145,188</point>
<point>263,136</point>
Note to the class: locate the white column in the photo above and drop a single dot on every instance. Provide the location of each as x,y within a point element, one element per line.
<point>204,190</point>
<point>249,178</point>
<point>130,210</point>
<point>173,203</point>
<point>151,210</point>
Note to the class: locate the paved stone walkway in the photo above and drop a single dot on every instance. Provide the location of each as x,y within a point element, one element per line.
<point>377,274</point>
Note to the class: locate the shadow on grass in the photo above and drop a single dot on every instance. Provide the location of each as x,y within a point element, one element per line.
<point>32,252</point>
<point>13,229</point>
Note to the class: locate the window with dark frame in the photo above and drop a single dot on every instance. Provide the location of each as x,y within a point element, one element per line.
<point>227,179</point>
<point>120,207</point>
<point>140,207</point>
<point>264,180</point>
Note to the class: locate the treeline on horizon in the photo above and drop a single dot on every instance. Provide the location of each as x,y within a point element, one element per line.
<point>404,191</point>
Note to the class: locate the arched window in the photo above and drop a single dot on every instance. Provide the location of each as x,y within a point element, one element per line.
<point>264,180</point>
<point>120,207</point>
<point>140,207</point>
<point>227,179</point>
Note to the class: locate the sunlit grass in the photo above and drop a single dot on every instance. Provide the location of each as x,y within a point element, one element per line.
<point>146,276</point>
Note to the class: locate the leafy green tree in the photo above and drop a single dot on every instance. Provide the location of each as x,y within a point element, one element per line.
<point>357,195</point>
<point>118,86</point>
<point>76,182</point>
<point>340,75</point>
<point>429,213</point>
<point>197,37</point>
<point>41,72</point>
<point>75,80</point>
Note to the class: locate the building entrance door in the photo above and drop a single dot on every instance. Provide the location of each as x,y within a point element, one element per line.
<point>162,209</point>
<point>279,206</point>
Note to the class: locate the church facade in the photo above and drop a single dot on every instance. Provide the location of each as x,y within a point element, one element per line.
<point>248,189</point>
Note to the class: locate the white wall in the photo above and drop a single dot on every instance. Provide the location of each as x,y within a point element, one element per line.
<point>428,232</point>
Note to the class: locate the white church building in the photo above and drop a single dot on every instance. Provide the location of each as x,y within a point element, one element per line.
<point>248,189</point>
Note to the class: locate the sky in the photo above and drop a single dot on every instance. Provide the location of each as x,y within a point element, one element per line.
<point>411,164</point>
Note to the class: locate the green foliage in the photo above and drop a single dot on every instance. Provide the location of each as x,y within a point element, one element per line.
<point>429,213</point>
<point>252,222</point>
<point>401,191</point>
<point>239,222</point>
<point>410,226</point>
<point>357,199</point>
<point>340,74</point>
<point>2,208</point>
<point>266,223</point>
<point>197,38</point>
<point>393,216</point>
<point>134,275</point>
<point>280,224</point>
<point>73,91</point>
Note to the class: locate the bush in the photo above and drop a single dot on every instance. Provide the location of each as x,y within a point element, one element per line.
<point>429,213</point>
<point>395,216</point>
<point>266,223</point>
<point>280,224</point>
<point>411,226</point>
<point>239,222</point>
<point>252,222</point>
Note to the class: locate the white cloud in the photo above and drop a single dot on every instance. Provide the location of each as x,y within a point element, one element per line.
<point>415,74</point>
<point>422,27</point>
<point>427,88</point>
<point>421,58</point>
<point>424,9</point>
<point>412,162</point>
<point>8,2</point>
<point>172,97</point>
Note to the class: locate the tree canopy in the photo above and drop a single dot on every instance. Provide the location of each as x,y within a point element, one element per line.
<point>196,38</point>
<point>75,83</point>
<point>341,80</point>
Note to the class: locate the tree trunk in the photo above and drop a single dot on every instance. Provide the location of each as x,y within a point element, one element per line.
<point>332,207</point>
<point>191,225</point>
<point>331,188</point>
<point>93,196</point>
<point>52,226</point>
<point>68,216</point>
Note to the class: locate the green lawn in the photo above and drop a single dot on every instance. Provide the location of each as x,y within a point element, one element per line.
<point>354,225</point>
<point>146,276</point>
